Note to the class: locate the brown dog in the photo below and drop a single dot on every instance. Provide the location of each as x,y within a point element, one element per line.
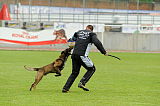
<point>54,67</point>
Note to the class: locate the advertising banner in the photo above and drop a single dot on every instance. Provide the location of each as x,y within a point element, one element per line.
<point>20,36</point>
<point>144,28</point>
<point>58,35</point>
<point>129,29</point>
<point>71,28</point>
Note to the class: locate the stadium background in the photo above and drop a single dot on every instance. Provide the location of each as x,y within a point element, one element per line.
<point>133,81</point>
<point>115,15</point>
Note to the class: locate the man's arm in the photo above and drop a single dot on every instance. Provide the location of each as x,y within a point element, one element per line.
<point>98,44</point>
<point>74,38</point>
<point>71,41</point>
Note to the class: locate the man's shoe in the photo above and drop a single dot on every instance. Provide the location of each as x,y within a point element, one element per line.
<point>65,91</point>
<point>80,85</point>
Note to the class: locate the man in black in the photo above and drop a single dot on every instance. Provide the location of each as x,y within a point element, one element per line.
<point>83,41</point>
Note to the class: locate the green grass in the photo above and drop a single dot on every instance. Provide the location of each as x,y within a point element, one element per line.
<point>134,81</point>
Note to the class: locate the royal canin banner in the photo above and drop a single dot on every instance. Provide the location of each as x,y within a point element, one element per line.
<point>44,37</point>
<point>20,36</point>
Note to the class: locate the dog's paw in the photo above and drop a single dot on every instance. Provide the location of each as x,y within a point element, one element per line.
<point>57,75</point>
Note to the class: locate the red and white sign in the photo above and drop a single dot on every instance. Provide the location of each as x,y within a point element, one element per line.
<point>20,36</point>
<point>44,37</point>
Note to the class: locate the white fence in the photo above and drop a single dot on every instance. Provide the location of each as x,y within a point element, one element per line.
<point>26,13</point>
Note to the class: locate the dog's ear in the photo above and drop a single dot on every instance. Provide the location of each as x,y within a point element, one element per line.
<point>62,52</point>
<point>66,51</point>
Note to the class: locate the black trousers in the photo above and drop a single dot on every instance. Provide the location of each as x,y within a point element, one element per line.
<point>77,62</point>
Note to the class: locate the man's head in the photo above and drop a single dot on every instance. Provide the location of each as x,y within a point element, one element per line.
<point>89,27</point>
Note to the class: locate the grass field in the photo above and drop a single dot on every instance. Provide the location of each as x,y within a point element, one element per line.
<point>134,81</point>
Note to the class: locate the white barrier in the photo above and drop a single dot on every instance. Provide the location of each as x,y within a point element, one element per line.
<point>144,28</point>
<point>43,37</point>
<point>20,36</point>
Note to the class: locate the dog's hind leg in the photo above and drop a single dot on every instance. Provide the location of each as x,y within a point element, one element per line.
<point>38,77</point>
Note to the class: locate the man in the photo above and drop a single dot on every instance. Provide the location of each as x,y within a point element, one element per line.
<point>83,41</point>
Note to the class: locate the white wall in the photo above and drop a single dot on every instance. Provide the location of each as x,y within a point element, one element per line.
<point>131,42</point>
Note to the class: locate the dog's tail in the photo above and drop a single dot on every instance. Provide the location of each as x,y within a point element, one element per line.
<point>30,68</point>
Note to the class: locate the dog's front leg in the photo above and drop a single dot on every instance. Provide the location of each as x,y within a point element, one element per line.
<point>58,72</point>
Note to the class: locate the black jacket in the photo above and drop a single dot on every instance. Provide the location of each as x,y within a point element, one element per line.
<point>84,40</point>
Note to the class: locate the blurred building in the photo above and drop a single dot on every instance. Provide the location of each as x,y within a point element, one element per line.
<point>111,12</point>
<point>103,4</point>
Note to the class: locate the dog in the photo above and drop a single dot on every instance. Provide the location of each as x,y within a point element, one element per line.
<point>55,67</point>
